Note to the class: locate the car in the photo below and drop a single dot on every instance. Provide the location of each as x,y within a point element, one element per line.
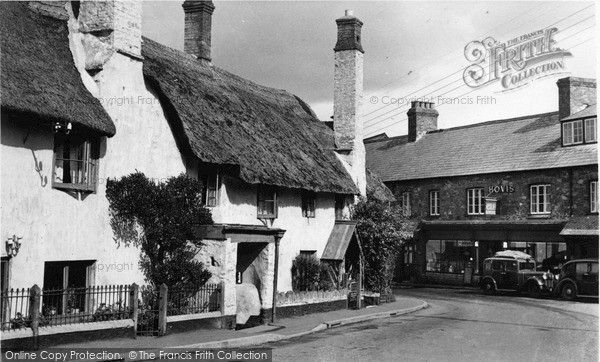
<point>515,271</point>
<point>578,278</point>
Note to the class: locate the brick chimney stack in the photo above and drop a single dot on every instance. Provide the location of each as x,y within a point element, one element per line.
<point>422,118</point>
<point>575,94</point>
<point>348,97</point>
<point>198,27</point>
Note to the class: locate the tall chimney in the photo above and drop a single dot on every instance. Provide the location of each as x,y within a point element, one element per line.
<point>348,97</point>
<point>422,118</point>
<point>198,27</point>
<point>575,94</point>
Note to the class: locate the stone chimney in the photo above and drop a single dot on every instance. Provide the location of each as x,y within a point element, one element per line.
<point>575,94</point>
<point>422,118</point>
<point>198,27</point>
<point>348,97</point>
<point>109,26</point>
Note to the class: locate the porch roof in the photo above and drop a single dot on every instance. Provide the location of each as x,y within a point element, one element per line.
<point>339,239</point>
<point>581,226</point>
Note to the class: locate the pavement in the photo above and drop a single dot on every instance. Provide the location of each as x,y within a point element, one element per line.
<point>283,329</point>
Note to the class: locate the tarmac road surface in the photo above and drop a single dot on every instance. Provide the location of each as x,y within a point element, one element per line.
<point>460,325</point>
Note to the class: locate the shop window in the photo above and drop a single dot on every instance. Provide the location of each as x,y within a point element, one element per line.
<point>267,202</point>
<point>594,196</point>
<point>210,188</point>
<point>406,203</point>
<point>449,256</point>
<point>75,163</point>
<point>434,203</point>
<point>308,204</point>
<point>540,199</point>
<point>475,201</point>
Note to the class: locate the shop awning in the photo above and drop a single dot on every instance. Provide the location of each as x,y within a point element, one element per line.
<point>581,226</point>
<point>339,239</point>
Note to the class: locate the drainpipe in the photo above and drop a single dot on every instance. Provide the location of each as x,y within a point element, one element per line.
<point>570,192</point>
<point>278,237</point>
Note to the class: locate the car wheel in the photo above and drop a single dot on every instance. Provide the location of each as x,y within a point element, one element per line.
<point>568,291</point>
<point>488,287</point>
<point>534,290</point>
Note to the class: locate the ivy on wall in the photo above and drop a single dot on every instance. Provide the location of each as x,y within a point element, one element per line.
<point>159,218</point>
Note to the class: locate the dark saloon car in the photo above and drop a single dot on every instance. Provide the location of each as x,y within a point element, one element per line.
<point>514,271</point>
<point>578,278</point>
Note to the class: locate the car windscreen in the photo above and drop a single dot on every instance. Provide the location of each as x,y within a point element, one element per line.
<point>526,265</point>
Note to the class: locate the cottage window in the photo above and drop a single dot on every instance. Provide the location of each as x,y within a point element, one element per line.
<point>340,202</point>
<point>475,201</point>
<point>308,204</point>
<point>75,163</point>
<point>434,203</point>
<point>210,190</point>
<point>65,286</point>
<point>590,130</point>
<point>540,199</point>
<point>594,196</point>
<point>406,203</point>
<point>267,202</point>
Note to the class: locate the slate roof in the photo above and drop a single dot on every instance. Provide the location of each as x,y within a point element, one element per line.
<point>585,113</point>
<point>38,77</point>
<point>515,144</point>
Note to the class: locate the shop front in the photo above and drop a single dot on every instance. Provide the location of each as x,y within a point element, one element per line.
<point>452,252</point>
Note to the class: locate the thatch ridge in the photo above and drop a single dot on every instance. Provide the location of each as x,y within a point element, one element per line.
<point>38,75</point>
<point>271,135</point>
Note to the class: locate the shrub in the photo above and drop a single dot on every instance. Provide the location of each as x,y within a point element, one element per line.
<point>305,273</point>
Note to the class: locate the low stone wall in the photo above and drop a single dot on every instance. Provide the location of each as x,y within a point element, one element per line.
<point>212,320</point>
<point>449,279</point>
<point>300,298</point>
<point>56,335</point>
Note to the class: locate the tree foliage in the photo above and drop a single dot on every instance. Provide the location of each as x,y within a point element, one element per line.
<point>159,218</point>
<point>382,229</point>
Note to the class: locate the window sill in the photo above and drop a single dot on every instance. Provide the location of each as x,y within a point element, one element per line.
<point>74,187</point>
<point>539,216</point>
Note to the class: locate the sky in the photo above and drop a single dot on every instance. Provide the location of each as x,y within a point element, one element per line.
<point>412,50</point>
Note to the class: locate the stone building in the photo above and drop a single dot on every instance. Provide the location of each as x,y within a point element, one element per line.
<point>85,98</point>
<point>526,183</point>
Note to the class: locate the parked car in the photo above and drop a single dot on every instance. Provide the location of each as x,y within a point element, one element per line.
<point>514,271</point>
<point>578,278</point>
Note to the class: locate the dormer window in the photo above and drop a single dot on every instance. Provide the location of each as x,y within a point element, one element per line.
<point>579,131</point>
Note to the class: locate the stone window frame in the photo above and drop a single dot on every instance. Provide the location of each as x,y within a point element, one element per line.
<point>547,204</point>
<point>309,203</point>
<point>434,202</point>
<point>594,197</point>
<point>87,159</point>
<point>471,206</point>
<point>405,202</point>
<point>266,195</point>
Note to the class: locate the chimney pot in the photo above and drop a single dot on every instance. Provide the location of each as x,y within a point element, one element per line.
<point>349,13</point>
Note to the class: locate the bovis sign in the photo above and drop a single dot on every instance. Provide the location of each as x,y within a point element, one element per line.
<point>516,62</point>
<point>501,189</point>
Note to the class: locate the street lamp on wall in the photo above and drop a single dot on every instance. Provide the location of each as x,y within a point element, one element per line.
<point>12,245</point>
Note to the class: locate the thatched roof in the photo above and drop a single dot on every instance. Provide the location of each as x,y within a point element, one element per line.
<point>377,189</point>
<point>271,136</point>
<point>39,79</point>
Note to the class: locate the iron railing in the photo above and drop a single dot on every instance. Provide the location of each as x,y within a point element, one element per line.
<point>15,309</point>
<point>194,299</point>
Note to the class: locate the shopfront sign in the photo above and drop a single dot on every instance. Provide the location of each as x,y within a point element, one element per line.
<point>490,205</point>
<point>501,189</point>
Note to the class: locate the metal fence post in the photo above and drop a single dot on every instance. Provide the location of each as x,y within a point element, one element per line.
<point>133,304</point>
<point>162,309</point>
<point>222,298</point>
<point>34,312</point>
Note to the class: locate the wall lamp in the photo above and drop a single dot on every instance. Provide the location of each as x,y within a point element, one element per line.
<point>13,244</point>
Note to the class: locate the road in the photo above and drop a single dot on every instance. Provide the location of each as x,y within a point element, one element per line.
<point>460,325</point>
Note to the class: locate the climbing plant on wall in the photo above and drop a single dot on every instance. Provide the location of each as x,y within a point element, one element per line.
<point>159,218</point>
